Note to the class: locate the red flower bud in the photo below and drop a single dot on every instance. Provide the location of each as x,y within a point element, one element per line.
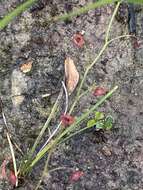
<point>67,119</point>
<point>3,170</point>
<point>99,91</point>
<point>12,178</point>
<point>78,40</point>
<point>76,176</point>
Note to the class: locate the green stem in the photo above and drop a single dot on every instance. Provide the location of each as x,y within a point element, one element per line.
<point>85,9</point>
<point>73,134</point>
<point>10,16</point>
<point>13,157</point>
<point>45,125</point>
<point>96,59</point>
<point>82,10</point>
<point>111,21</point>
<point>71,128</point>
<point>45,171</point>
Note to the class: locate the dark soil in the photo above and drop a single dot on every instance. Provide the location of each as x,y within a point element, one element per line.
<point>110,160</point>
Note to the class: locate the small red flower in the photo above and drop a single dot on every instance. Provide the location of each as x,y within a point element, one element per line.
<point>67,119</point>
<point>75,176</point>
<point>12,178</point>
<point>99,91</point>
<point>78,40</point>
<point>3,170</point>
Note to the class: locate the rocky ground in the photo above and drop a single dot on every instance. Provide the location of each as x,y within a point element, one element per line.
<point>112,160</point>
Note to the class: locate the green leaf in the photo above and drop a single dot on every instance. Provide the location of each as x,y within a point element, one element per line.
<point>98,116</point>
<point>108,124</point>
<point>91,123</point>
<point>100,125</point>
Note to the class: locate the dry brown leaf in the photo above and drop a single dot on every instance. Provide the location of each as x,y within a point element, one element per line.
<point>26,67</point>
<point>71,74</point>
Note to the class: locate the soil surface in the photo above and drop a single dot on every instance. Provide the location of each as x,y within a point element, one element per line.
<point>110,160</point>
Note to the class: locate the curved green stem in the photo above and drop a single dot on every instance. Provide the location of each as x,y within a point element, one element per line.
<point>20,9</point>
<point>111,21</point>
<point>96,59</point>
<point>71,128</point>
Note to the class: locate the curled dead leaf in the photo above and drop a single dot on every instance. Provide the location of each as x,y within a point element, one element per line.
<point>26,67</point>
<point>71,74</point>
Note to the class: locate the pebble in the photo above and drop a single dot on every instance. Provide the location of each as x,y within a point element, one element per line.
<point>106,151</point>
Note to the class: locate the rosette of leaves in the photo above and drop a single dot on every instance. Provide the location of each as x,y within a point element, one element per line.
<point>101,122</point>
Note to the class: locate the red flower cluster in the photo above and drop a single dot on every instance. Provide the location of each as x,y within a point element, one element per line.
<point>99,91</point>
<point>10,175</point>
<point>78,40</point>
<point>76,176</point>
<point>12,178</point>
<point>67,119</point>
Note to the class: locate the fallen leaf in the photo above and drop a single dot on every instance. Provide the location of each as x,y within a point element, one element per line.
<point>75,176</point>
<point>99,91</point>
<point>67,119</point>
<point>26,67</point>
<point>71,74</point>
<point>78,40</point>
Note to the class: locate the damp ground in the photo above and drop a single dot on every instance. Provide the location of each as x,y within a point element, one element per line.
<point>110,160</point>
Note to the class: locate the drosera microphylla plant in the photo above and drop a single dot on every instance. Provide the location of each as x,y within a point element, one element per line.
<point>62,134</point>
<point>101,122</point>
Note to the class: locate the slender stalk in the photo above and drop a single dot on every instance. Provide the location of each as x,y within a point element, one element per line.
<point>73,134</point>
<point>21,8</point>
<point>96,59</point>
<point>44,171</point>
<point>82,10</point>
<point>13,157</point>
<point>59,125</point>
<point>85,75</point>
<point>71,128</point>
<point>9,141</point>
<point>10,16</point>
<point>85,9</point>
<point>120,37</point>
<point>111,21</point>
<point>45,125</point>
<point>78,98</point>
